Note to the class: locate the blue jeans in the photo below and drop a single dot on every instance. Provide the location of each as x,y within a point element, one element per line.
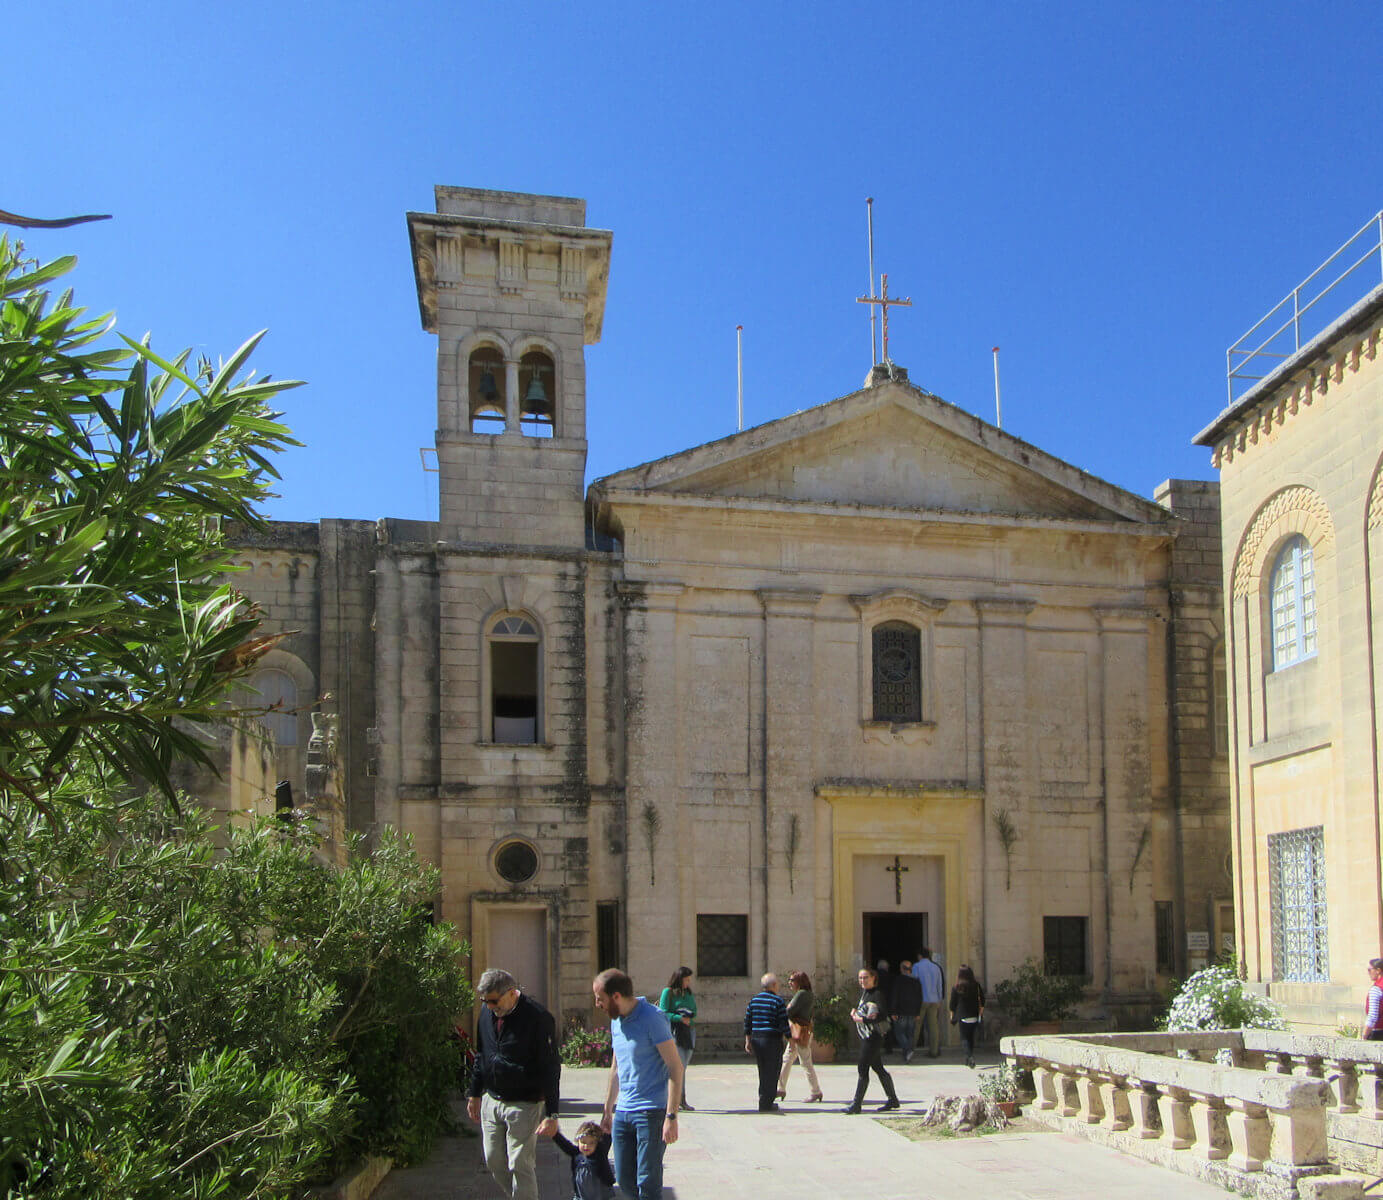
<point>637,1151</point>
<point>904,1032</point>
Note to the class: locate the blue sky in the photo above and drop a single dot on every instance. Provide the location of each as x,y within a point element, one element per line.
<point>1111,193</point>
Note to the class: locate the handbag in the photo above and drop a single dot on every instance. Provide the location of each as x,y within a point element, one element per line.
<point>682,1034</point>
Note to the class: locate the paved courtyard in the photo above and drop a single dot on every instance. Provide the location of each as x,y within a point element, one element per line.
<point>727,1151</point>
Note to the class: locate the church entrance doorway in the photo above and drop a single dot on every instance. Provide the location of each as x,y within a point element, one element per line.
<point>894,936</point>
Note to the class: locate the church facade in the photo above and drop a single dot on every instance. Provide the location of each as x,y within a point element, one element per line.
<point>868,677</point>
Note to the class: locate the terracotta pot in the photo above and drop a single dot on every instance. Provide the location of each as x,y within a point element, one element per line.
<point>823,1052</point>
<point>1008,1107</point>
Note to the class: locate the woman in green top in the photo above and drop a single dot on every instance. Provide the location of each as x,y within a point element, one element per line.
<point>679,1006</point>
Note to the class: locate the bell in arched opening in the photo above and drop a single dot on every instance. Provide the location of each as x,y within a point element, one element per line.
<point>538,418</point>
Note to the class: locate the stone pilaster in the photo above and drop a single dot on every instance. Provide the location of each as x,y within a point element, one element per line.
<point>1127,947</point>
<point>1008,768</point>
<point>783,863</point>
<point>651,737</point>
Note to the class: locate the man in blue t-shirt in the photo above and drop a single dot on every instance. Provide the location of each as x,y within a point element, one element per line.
<point>645,1085</point>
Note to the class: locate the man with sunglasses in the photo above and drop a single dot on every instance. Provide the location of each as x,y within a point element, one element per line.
<point>514,1087</point>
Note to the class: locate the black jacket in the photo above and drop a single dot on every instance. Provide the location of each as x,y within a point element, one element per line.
<point>521,1062</point>
<point>906,1000</point>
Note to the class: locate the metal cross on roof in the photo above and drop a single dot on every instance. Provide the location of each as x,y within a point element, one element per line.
<point>884,300</point>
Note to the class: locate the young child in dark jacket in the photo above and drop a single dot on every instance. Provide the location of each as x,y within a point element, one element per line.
<point>591,1174</point>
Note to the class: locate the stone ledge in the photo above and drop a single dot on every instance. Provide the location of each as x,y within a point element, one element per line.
<point>358,1183</point>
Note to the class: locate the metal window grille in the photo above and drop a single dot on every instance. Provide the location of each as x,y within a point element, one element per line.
<point>607,935</point>
<point>722,944</point>
<point>1063,945</point>
<point>1294,604</point>
<point>1296,884</point>
<point>897,673</point>
<point>1166,936</point>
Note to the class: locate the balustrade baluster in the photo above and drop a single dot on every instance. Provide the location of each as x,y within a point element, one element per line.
<point>1250,1134</point>
<point>1208,1119</point>
<point>1143,1102</point>
<point>1178,1118</point>
<point>1370,1090</point>
<point>1091,1100</point>
<point>1044,1081</point>
<point>1344,1084</point>
<point>1114,1102</point>
<point>1068,1091</point>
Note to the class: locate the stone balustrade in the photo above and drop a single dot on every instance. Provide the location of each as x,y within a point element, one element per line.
<point>1255,1111</point>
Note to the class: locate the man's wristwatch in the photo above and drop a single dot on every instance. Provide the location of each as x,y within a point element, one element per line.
<point>670,1116</point>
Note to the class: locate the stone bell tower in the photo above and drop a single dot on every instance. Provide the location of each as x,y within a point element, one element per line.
<point>514,287</point>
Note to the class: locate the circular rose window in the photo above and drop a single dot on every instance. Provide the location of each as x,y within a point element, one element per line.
<point>516,862</point>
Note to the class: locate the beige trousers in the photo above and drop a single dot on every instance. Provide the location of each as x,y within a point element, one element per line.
<point>794,1051</point>
<point>510,1136</point>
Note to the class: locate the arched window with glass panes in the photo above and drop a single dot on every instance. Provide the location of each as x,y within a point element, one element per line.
<point>514,645</point>
<point>277,700</point>
<point>897,673</point>
<point>1293,600</point>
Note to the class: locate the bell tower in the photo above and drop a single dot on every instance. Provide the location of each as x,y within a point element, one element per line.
<point>513,285</point>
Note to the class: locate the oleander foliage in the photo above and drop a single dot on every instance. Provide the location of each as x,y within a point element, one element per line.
<point>176,1020</point>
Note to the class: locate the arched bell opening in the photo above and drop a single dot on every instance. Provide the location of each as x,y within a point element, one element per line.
<point>538,389</point>
<point>485,380</point>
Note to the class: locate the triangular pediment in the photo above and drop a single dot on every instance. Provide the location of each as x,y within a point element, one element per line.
<point>889,446</point>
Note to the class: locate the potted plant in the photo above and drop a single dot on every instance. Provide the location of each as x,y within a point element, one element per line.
<point>830,1026</point>
<point>1035,1000</point>
<point>1000,1085</point>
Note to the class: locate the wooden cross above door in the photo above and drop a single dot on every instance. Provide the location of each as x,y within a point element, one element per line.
<point>897,871</point>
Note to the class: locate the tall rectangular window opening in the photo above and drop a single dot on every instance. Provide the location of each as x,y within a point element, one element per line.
<point>897,675</point>
<point>607,944</point>
<point>514,683</point>
<point>722,944</point>
<point>1063,945</point>
<point>1166,936</point>
<point>1296,887</point>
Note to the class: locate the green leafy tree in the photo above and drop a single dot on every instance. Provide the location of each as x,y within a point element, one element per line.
<point>118,635</point>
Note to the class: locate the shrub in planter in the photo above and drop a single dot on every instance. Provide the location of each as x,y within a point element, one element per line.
<point>831,1023</point>
<point>1216,998</point>
<point>999,1084</point>
<point>1030,995</point>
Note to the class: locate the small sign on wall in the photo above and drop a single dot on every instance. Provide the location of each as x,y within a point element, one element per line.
<point>1197,941</point>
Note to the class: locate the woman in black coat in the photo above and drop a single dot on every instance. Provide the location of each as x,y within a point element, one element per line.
<point>967,1007</point>
<point>871,1023</point>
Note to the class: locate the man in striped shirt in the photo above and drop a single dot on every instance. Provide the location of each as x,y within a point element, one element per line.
<point>1373,1004</point>
<point>765,1033</point>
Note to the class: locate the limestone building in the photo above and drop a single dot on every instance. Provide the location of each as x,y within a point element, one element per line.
<point>1299,454</point>
<point>873,675</point>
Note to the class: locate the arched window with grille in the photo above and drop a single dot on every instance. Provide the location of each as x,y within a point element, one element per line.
<point>1293,599</point>
<point>277,695</point>
<point>897,660</point>
<point>485,382</point>
<point>514,648</point>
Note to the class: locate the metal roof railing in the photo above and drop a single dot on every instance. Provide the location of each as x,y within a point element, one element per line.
<point>1295,319</point>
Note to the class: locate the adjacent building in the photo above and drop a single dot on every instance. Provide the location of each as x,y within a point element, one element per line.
<point>1299,454</point>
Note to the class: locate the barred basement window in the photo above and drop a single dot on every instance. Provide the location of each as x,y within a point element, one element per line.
<point>897,673</point>
<point>1166,936</point>
<point>722,944</point>
<point>1296,885</point>
<point>1063,945</point>
<point>607,953</point>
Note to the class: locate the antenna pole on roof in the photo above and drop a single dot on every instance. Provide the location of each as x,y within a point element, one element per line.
<point>739,364</point>
<point>873,313</point>
<point>998,408</point>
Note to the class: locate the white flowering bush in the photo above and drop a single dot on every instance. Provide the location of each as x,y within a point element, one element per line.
<point>1216,998</point>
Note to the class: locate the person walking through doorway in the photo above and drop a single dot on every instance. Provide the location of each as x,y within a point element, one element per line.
<point>928,973</point>
<point>870,1015</point>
